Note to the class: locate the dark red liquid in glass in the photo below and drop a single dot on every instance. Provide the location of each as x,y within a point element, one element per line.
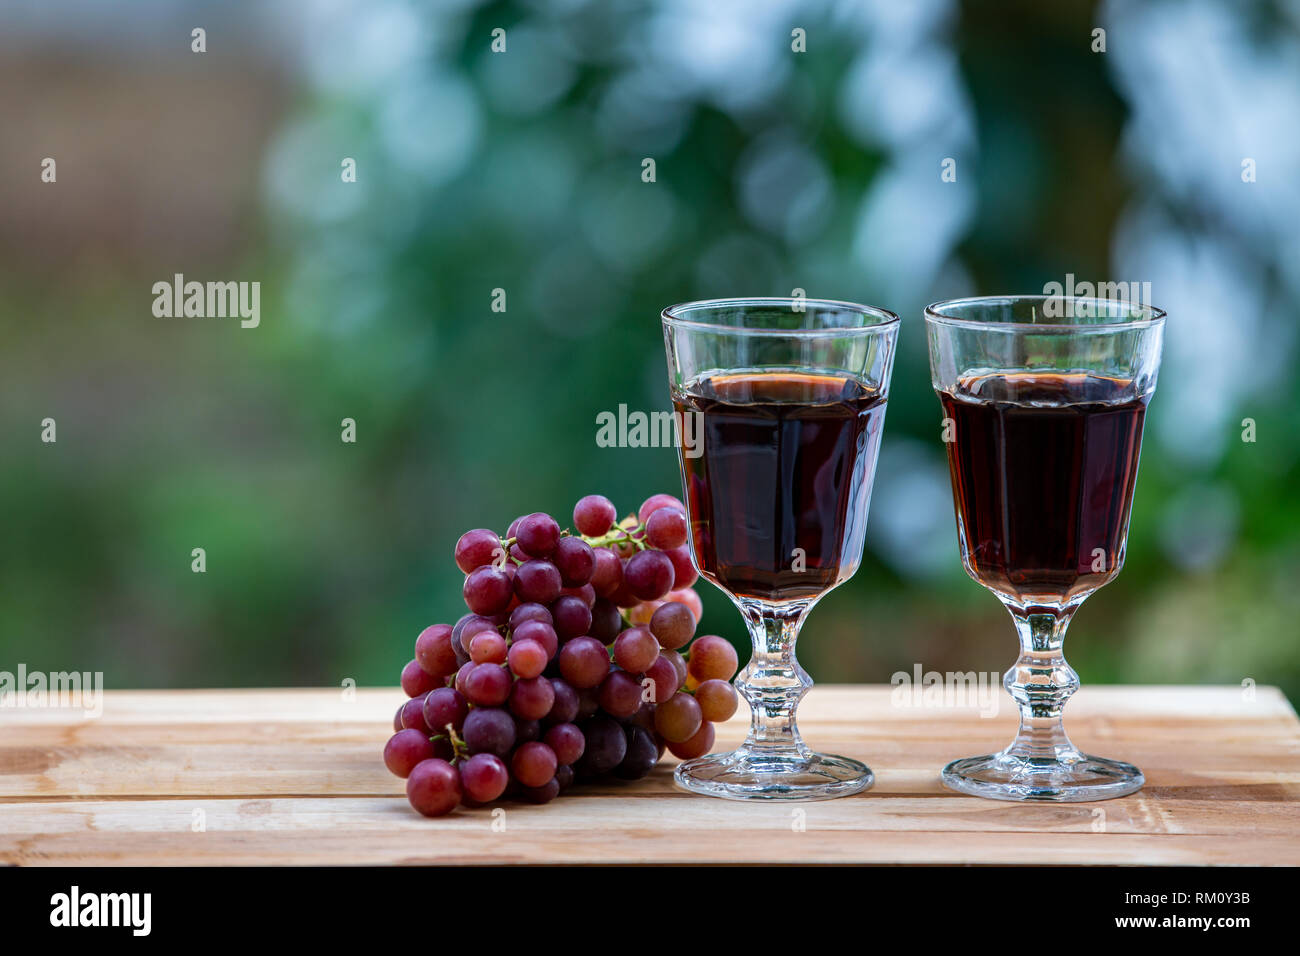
<point>787,463</point>
<point>1043,467</point>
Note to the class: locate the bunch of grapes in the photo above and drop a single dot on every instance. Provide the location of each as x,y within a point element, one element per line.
<point>577,660</point>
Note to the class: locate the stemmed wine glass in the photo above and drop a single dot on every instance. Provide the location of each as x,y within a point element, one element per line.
<point>780,404</point>
<point>1044,400</point>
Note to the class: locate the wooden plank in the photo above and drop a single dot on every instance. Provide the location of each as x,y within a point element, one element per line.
<point>295,777</point>
<point>618,829</point>
<point>306,742</point>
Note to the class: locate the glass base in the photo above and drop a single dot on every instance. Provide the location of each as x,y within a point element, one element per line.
<point>749,775</point>
<point>1063,778</point>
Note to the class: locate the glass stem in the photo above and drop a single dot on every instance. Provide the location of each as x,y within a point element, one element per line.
<point>772,682</point>
<point>1040,682</point>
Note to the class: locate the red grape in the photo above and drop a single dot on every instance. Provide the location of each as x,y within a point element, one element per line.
<point>537,581</point>
<point>462,674</point>
<point>712,658</point>
<point>607,573</point>
<point>529,612</point>
<point>444,706</point>
<point>488,590</point>
<point>642,754</point>
<point>540,632</point>
<point>565,708</point>
<point>644,716</point>
<point>654,503</point>
<point>588,703</point>
<point>489,730</point>
<point>665,529</point>
<point>416,681</point>
<point>636,649</point>
<point>606,745</point>
<point>487,647</point>
<point>678,718</point>
<point>717,700</point>
<point>697,745</point>
<point>572,616</point>
<point>673,625</point>
<point>620,694</point>
<point>684,573</point>
<point>477,624</point>
<point>405,749</point>
<point>528,658</point>
<point>567,742</point>
<point>594,515</point>
<point>606,622</point>
<point>434,652</point>
<point>689,597</point>
<point>473,623</point>
<point>533,764</point>
<point>623,596</point>
<point>665,678</point>
<point>397,718</point>
<point>434,787</point>
<point>585,593</point>
<point>648,575</point>
<point>413,714</point>
<point>526,730</point>
<point>484,777</point>
<point>584,662</point>
<point>537,534</point>
<point>531,698</point>
<point>487,685</point>
<point>476,548</point>
<point>678,662</point>
<point>576,561</point>
<point>543,794</point>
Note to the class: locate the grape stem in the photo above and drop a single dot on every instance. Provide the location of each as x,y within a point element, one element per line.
<point>506,544</point>
<point>619,535</point>
<point>459,750</point>
<point>616,535</point>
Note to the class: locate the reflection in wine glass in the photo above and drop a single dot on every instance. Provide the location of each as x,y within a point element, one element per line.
<point>1045,416</point>
<point>790,394</point>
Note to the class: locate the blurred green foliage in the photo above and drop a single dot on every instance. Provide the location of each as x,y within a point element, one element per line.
<point>324,559</point>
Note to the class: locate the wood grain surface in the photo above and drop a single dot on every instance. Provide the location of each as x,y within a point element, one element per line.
<point>296,777</point>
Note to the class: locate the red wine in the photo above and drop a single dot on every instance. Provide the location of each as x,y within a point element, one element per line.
<point>787,463</point>
<point>1043,467</point>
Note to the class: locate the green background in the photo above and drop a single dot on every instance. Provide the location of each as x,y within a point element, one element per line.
<point>521,170</point>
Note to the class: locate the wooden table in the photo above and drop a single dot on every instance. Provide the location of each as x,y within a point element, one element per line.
<point>295,776</point>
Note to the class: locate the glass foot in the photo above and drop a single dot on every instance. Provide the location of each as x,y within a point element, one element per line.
<point>1063,778</point>
<point>748,775</point>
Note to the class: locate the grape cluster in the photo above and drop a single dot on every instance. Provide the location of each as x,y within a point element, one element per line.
<point>577,660</point>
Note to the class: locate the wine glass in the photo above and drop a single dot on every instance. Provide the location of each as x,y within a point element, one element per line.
<point>1044,400</point>
<point>785,400</point>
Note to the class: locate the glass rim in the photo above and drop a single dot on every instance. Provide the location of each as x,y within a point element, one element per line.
<point>673,315</point>
<point>1149,315</point>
